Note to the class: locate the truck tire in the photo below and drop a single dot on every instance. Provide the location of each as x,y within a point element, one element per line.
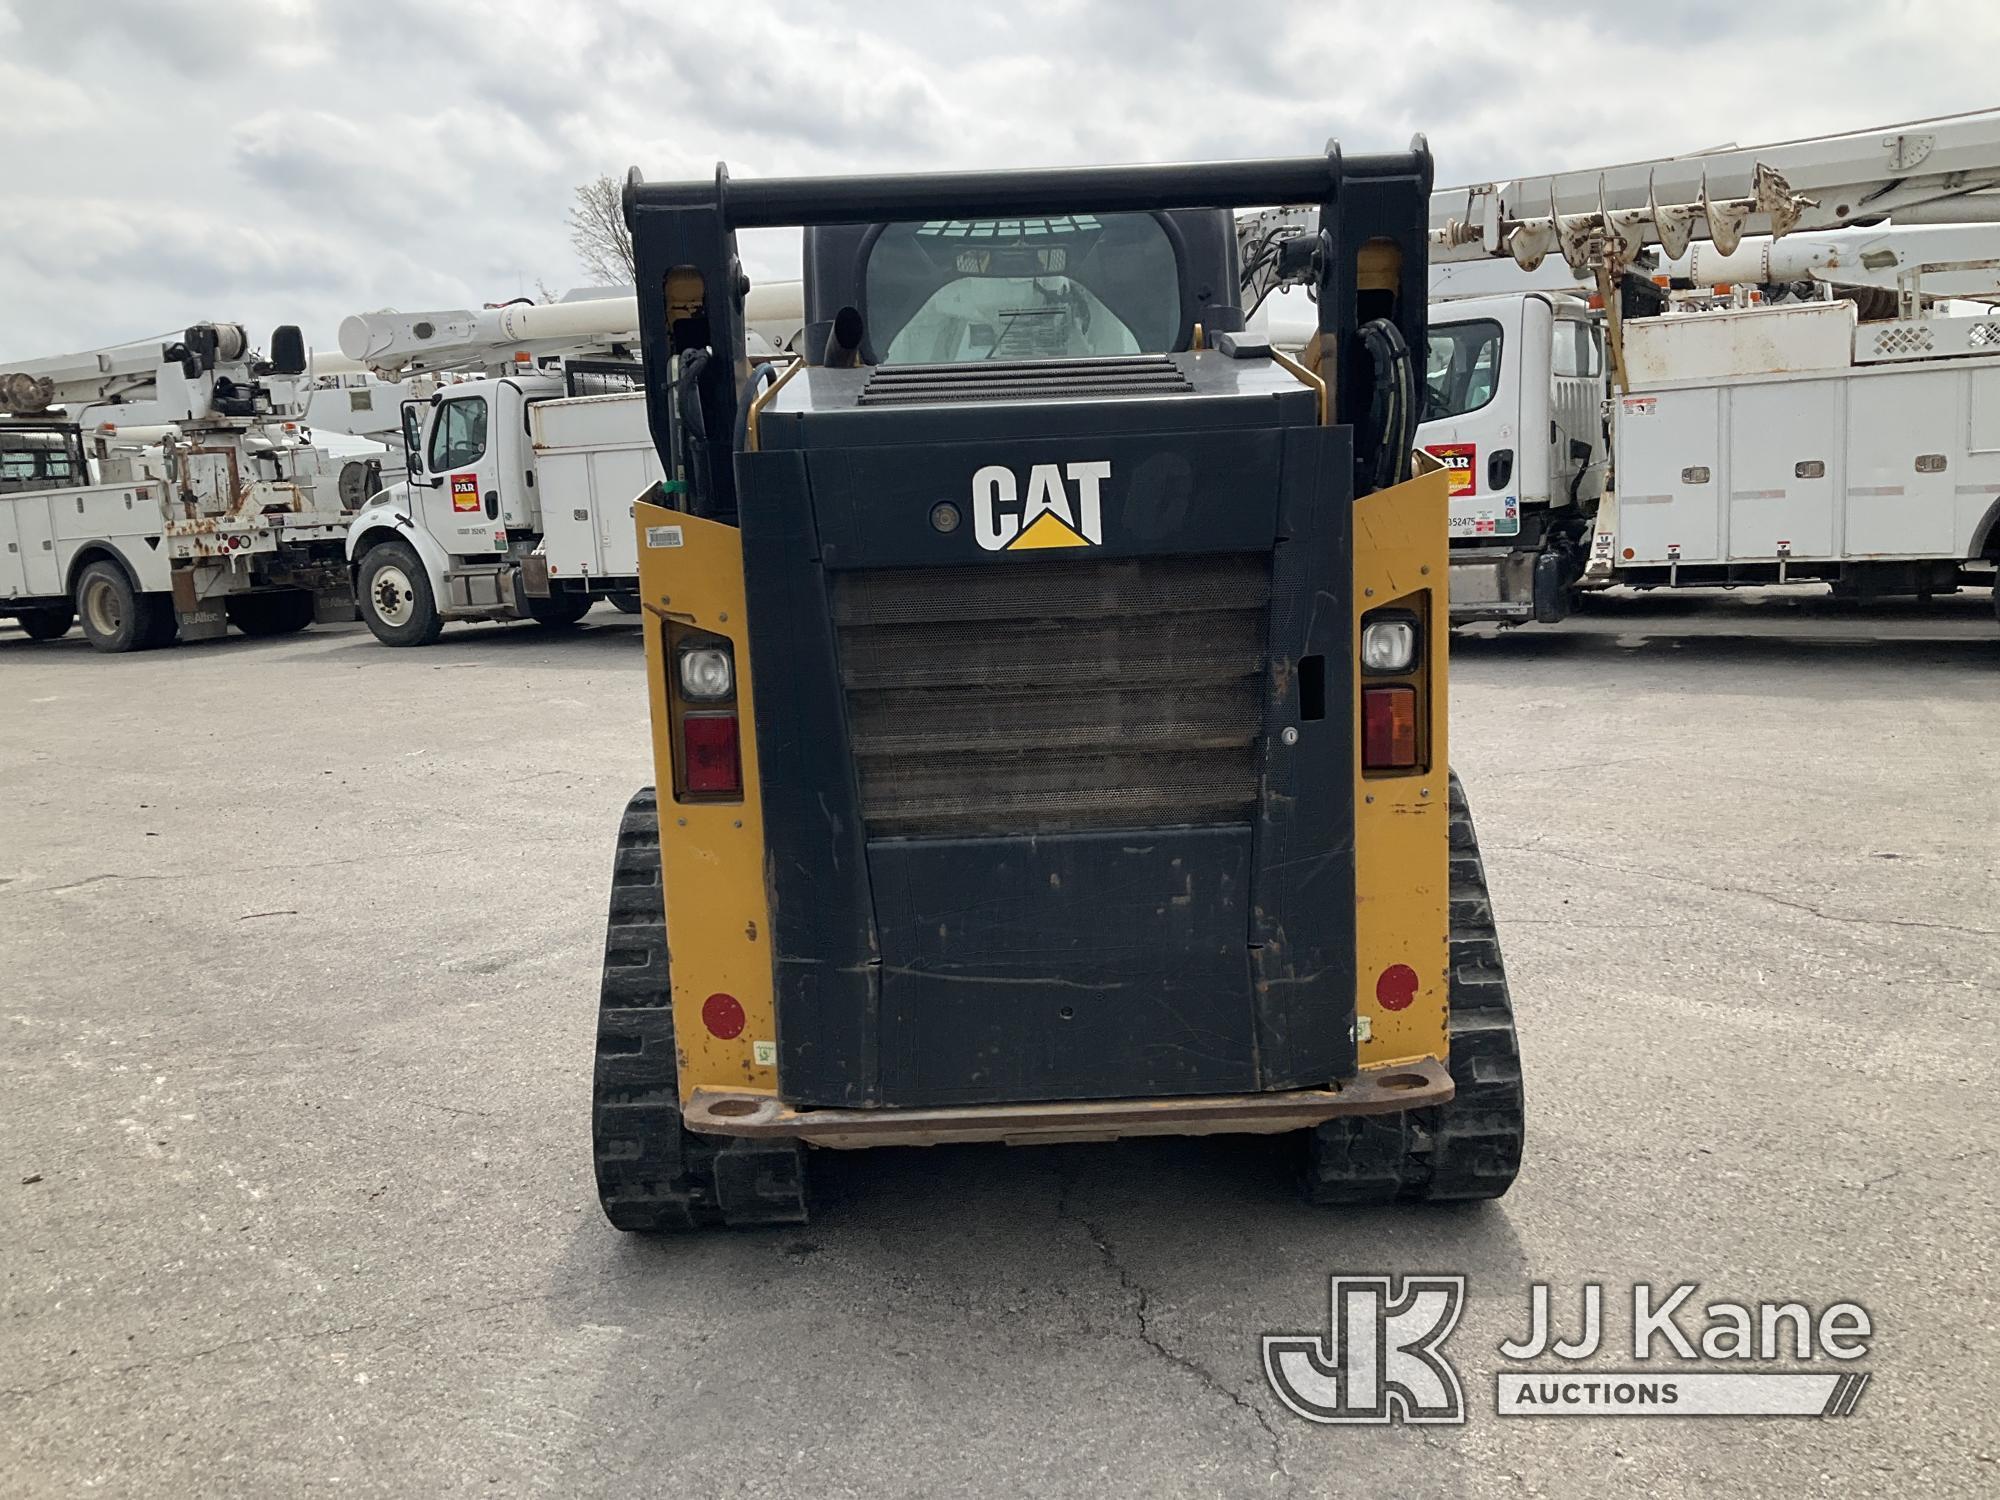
<point>559,610</point>
<point>115,616</point>
<point>625,604</point>
<point>49,624</point>
<point>1467,1149</point>
<point>280,613</point>
<point>394,594</point>
<point>652,1174</point>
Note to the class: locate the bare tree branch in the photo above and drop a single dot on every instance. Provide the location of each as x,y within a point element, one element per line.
<point>598,233</point>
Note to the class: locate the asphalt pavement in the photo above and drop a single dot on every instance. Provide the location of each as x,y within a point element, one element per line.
<point>299,947</point>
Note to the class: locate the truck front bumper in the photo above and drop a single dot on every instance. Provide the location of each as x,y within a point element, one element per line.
<point>1372,1091</point>
<point>1493,583</point>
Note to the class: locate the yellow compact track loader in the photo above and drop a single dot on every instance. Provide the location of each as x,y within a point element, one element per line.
<point>1048,698</point>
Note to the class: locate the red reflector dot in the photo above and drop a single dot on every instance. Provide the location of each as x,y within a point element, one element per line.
<point>1397,987</point>
<point>723,1014</point>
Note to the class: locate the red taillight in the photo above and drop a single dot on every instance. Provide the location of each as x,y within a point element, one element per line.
<point>710,763</point>
<point>1388,728</point>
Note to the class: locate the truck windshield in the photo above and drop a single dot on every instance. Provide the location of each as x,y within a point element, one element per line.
<point>955,290</point>
<point>1463,369</point>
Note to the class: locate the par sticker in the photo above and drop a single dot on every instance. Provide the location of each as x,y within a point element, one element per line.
<point>765,1054</point>
<point>1458,458</point>
<point>664,536</point>
<point>465,492</point>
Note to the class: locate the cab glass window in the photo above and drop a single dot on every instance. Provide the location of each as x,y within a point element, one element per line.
<point>458,437</point>
<point>957,290</point>
<point>1463,370</point>
<point>1576,350</point>
<point>40,459</point>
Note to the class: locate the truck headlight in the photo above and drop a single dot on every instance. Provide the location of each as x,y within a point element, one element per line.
<point>707,673</point>
<point>1389,646</point>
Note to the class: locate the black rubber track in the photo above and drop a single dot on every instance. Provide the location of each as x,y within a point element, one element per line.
<point>651,1173</point>
<point>1471,1147</point>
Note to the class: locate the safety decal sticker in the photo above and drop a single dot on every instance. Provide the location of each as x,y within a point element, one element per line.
<point>664,536</point>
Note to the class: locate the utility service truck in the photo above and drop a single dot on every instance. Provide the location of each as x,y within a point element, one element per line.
<point>1794,442</point>
<point>522,463</point>
<point>165,490</point>
<point>1513,261</point>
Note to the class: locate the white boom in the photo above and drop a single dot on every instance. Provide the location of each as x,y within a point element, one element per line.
<point>489,339</point>
<point>1933,260</point>
<point>95,377</point>
<point>1598,221</point>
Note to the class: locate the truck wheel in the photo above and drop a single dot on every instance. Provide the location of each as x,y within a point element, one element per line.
<point>50,624</point>
<point>625,604</point>
<point>279,613</point>
<point>1471,1147</point>
<point>394,593</point>
<point>116,616</point>
<point>651,1173</point>
<point>561,610</point>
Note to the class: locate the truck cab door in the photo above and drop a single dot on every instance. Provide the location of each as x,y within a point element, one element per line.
<point>458,502</point>
<point>1472,422</point>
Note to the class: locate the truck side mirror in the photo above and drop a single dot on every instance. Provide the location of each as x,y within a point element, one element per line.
<point>413,443</point>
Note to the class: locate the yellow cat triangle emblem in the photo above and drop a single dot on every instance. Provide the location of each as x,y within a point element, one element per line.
<point>1047,530</point>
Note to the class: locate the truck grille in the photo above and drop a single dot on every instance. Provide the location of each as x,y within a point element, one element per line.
<point>1055,696</point>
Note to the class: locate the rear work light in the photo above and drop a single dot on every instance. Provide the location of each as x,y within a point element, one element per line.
<point>711,762</point>
<point>1389,728</point>
<point>707,673</point>
<point>1389,644</point>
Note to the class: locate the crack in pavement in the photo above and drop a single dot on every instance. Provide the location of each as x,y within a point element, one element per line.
<point>278,869</point>
<point>1141,1317</point>
<point>401,1330</point>
<point>1843,918</point>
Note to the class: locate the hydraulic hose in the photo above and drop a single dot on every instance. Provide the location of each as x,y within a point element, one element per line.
<point>1382,448</point>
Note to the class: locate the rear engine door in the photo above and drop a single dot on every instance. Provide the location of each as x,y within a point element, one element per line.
<point>1032,834</point>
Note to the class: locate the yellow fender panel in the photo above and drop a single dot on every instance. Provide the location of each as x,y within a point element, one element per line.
<point>711,853</point>
<point>1402,836</point>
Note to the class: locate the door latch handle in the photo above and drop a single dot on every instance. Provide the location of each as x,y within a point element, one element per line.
<point>492,505</point>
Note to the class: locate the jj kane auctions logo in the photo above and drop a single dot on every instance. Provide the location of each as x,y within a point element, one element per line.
<point>1382,1358</point>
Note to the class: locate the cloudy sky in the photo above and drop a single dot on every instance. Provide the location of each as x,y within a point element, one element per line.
<point>287,161</point>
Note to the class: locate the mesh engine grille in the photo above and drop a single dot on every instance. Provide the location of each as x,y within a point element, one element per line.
<point>1055,696</point>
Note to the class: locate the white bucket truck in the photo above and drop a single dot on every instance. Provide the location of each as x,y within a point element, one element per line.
<point>521,473</point>
<point>161,491</point>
